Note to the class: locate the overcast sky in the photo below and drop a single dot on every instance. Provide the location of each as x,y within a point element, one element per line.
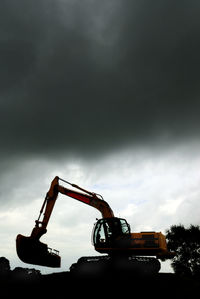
<point>106,95</point>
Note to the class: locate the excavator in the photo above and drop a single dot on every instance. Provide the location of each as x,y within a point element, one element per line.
<point>111,236</point>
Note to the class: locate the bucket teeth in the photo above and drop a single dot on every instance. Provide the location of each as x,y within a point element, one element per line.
<point>32,251</point>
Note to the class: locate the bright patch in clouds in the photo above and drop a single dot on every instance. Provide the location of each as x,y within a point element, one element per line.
<point>170,206</point>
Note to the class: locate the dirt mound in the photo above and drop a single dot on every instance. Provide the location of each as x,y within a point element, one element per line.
<point>63,284</point>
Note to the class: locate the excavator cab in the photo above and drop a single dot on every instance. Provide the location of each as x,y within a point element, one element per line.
<point>32,251</point>
<point>109,232</point>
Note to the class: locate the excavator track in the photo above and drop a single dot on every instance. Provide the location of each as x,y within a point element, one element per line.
<point>106,265</point>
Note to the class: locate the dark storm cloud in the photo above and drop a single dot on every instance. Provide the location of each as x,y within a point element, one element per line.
<point>88,75</point>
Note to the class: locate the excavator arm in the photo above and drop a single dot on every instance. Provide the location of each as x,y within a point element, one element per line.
<point>88,198</point>
<point>30,249</point>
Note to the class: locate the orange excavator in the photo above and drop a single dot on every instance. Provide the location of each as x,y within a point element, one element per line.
<point>111,235</point>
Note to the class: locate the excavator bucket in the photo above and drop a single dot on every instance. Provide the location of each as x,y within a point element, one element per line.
<point>32,251</point>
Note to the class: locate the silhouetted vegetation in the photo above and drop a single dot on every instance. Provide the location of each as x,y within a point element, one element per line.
<point>4,267</point>
<point>25,273</point>
<point>186,243</point>
<point>18,273</point>
<point>25,282</point>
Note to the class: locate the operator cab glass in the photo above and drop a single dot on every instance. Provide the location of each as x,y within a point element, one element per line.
<point>108,231</point>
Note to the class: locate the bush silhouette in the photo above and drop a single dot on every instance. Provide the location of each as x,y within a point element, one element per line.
<point>25,273</point>
<point>186,243</point>
<point>6,274</point>
<point>4,266</point>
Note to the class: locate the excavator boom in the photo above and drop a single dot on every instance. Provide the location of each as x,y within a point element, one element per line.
<point>30,249</point>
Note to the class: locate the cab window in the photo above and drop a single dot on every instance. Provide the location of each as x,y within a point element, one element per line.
<point>99,234</point>
<point>124,226</point>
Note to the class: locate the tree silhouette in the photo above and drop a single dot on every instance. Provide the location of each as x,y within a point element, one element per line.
<point>186,244</point>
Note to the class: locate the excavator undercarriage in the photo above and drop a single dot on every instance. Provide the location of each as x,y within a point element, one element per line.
<point>118,265</point>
